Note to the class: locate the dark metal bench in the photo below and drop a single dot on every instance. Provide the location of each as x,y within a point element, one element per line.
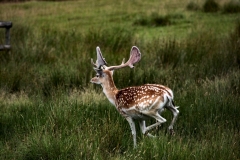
<point>7,26</point>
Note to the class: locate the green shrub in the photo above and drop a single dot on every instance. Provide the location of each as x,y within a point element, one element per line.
<point>210,6</point>
<point>30,0</point>
<point>232,7</point>
<point>159,20</point>
<point>154,20</point>
<point>192,6</point>
<point>234,44</point>
<point>141,21</point>
<point>13,0</point>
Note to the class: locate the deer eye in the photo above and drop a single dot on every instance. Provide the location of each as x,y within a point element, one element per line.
<point>99,75</point>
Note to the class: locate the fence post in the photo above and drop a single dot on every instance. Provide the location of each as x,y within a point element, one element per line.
<point>7,26</point>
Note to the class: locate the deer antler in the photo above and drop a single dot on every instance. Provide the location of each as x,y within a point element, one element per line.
<point>100,60</point>
<point>135,57</point>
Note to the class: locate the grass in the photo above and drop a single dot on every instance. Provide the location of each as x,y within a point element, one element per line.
<point>49,110</point>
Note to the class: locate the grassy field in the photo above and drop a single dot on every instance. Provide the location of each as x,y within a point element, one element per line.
<point>50,110</point>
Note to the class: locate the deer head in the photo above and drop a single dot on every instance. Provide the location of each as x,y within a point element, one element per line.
<point>103,70</point>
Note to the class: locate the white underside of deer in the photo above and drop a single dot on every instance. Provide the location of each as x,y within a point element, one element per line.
<point>138,102</point>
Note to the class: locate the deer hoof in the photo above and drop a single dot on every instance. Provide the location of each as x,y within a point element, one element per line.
<point>172,133</point>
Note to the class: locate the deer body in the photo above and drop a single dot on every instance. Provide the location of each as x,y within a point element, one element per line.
<point>137,102</point>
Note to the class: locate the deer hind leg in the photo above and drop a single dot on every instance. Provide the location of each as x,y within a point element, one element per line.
<point>133,129</point>
<point>155,115</point>
<point>175,113</point>
<point>145,129</point>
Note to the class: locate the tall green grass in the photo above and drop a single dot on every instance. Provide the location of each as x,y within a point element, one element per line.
<point>49,110</point>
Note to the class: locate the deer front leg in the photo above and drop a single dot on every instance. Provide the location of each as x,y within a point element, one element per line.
<point>133,129</point>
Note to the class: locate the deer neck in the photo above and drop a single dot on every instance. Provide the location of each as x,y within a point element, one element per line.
<point>110,90</point>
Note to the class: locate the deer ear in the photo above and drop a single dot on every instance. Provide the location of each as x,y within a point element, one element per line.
<point>135,55</point>
<point>100,60</point>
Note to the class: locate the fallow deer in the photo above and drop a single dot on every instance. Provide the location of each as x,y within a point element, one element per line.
<point>137,102</point>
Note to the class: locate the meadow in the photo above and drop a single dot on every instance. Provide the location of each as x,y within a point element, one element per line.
<point>50,110</point>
